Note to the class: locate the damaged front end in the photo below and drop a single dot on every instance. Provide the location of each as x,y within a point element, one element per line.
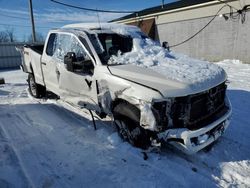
<point>192,122</point>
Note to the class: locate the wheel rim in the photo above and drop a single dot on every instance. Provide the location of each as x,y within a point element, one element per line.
<point>32,86</point>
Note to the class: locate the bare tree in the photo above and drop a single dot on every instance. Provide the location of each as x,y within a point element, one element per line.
<point>39,38</point>
<point>10,34</point>
<point>7,35</point>
<point>3,37</point>
<point>24,38</point>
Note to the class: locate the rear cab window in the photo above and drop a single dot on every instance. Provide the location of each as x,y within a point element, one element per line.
<point>50,49</point>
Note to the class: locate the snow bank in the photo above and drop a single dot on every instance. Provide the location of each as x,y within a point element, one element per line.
<point>114,139</point>
<point>238,73</point>
<point>147,53</point>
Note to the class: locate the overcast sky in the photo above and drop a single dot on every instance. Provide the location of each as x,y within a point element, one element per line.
<point>15,13</point>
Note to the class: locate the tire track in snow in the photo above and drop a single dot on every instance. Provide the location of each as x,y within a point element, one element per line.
<point>14,116</point>
<point>27,177</point>
<point>43,164</point>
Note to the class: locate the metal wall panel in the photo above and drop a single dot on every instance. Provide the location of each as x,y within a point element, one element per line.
<point>222,39</point>
<point>9,56</point>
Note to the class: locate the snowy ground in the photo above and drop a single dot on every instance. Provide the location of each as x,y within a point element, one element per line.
<point>51,144</point>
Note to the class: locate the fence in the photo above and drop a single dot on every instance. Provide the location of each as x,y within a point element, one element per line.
<point>9,56</point>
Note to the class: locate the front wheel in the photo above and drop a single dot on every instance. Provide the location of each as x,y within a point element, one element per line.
<point>127,121</point>
<point>36,90</point>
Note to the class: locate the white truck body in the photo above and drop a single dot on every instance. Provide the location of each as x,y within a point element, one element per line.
<point>170,98</point>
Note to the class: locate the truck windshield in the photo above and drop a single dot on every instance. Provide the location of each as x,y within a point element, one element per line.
<point>110,44</point>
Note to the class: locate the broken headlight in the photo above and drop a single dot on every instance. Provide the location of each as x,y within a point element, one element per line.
<point>160,110</point>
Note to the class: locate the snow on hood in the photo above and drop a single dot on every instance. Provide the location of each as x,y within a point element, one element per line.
<point>197,75</point>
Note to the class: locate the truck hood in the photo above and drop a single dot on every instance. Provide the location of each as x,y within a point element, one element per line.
<point>170,73</point>
<point>172,81</point>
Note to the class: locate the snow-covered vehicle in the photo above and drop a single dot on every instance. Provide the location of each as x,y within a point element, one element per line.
<point>153,95</point>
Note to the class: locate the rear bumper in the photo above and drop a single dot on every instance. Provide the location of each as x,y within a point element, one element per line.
<point>190,141</point>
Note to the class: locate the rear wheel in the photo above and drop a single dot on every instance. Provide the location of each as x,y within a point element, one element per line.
<point>36,90</point>
<point>127,121</point>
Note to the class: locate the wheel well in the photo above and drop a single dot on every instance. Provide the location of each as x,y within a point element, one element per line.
<point>131,113</point>
<point>118,101</point>
<point>122,107</point>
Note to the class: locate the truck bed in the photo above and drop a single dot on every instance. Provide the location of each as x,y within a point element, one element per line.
<point>36,47</point>
<point>31,60</point>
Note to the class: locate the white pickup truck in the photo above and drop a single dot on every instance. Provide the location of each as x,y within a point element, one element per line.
<point>152,94</point>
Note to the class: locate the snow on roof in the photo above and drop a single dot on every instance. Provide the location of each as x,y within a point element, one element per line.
<point>115,27</point>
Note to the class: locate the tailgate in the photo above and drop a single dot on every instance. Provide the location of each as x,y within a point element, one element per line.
<point>24,51</point>
<point>29,58</point>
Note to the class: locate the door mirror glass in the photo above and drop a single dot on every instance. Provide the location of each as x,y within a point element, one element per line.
<point>78,65</point>
<point>88,67</point>
<point>69,58</point>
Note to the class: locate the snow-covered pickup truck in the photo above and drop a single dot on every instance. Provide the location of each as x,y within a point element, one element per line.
<point>152,94</point>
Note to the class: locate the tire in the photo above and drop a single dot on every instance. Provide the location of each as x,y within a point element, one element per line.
<point>36,90</point>
<point>127,121</point>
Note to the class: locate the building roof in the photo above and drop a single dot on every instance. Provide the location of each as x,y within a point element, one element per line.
<point>166,7</point>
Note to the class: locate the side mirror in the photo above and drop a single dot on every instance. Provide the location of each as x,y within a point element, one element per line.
<point>165,45</point>
<point>88,67</point>
<point>69,59</point>
<point>81,66</point>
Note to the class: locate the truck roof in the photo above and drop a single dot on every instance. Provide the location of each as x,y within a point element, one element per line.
<point>98,26</point>
<point>104,27</point>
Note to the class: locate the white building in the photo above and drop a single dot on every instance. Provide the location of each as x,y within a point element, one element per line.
<point>226,37</point>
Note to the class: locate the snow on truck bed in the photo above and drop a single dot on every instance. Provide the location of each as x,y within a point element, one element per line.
<point>47,143</point>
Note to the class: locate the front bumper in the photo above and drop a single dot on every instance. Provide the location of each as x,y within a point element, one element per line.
<point>191,141</point>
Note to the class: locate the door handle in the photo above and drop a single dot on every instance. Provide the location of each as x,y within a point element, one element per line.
<point>43,63</point>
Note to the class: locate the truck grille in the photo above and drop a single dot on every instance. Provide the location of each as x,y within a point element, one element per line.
<point>196,111</point>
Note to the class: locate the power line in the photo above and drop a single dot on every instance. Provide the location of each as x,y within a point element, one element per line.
<point>22,18</point>
<point>23,26</point>
<point>38,19</point>
<point>93,10</point>
<point>228,4</point>
<point>200,29</point>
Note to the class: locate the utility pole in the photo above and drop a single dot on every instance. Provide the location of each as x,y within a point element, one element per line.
<point>32,21</point>
<point>162,4</point>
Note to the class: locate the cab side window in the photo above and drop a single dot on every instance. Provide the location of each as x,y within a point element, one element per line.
<point>76,47</point>
<point>69,50</point>
<point>62,46</point>
<point>68,43</point>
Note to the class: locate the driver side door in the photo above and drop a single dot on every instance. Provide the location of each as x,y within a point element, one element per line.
<point>77,86</point>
